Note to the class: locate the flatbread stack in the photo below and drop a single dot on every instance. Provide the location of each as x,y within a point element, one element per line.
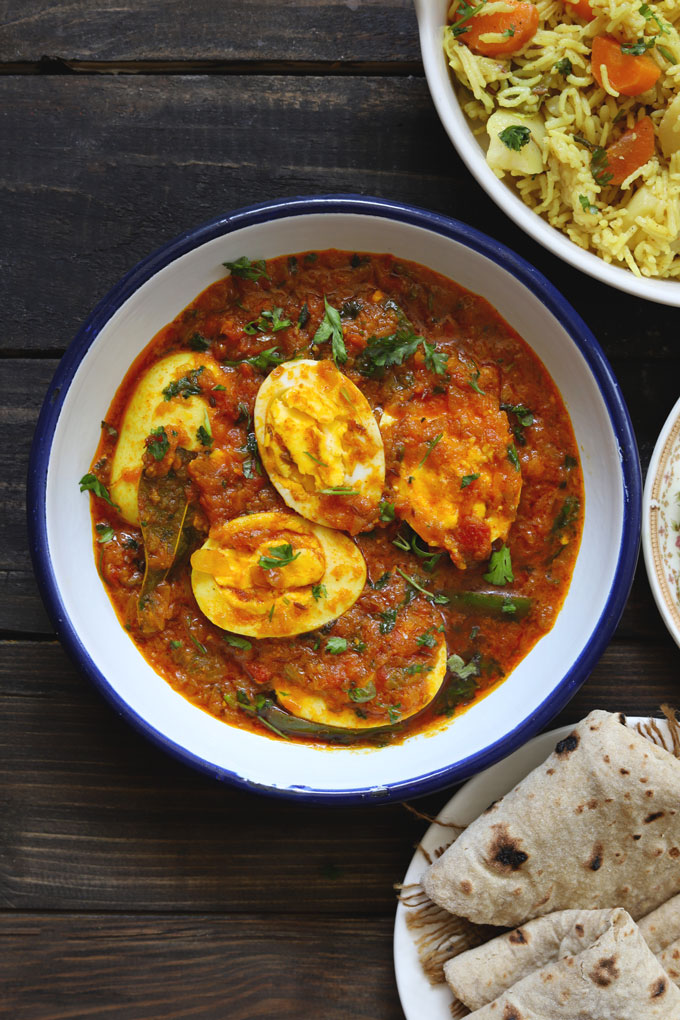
<point>597,825</point>
<point>582,848</point>
<point>576,965</point>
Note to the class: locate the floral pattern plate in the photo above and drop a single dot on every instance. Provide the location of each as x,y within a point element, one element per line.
<point>661,523</point>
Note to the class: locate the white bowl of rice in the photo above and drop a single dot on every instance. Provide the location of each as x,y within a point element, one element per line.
<point>555,178</point>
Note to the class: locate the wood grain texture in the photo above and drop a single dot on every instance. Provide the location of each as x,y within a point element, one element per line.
<point>98,173</point>
<point>244,31</point>
<point>203,967</point>
<point>94,817</point>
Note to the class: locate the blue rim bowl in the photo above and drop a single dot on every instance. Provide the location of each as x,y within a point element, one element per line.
<point>418,773</point>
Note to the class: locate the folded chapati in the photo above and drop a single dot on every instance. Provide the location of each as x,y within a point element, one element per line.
<point>482,974</point>
<point>596,826</point>
<point>616,977</point>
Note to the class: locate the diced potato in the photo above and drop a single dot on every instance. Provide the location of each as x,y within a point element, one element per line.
<point>526,159</point>
<point>669,129</point>
<point>644,203</point>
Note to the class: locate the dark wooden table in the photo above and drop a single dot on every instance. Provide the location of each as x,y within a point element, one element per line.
<point>130,886</point>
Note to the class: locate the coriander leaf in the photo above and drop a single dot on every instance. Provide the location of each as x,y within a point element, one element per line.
<point>236,641</point>
<point>315,459</point>
<point>599,166</point>
<point>513,456</point>
<point>274,320</point>
<point>468,480</point>
<point>438,599</point>
<point>384,351</point>
<point>509,32</point>
<point>568,513</point>
<point>500,568</point>
<point>382,581</point>
<point>262,361</point>
<point>279,556</point>
<point>473,381</point>
<point>107,533</point>
<point>198,342</point>
<point>303,318</point>
<point>336,645</point>
<point>350,309</point>
<point>570,462</point>
<point>587,205</point>
<point>515,137</point>
<point>246,269</point>
<point>427,639</point>
<point>331,328</point>
<point>666,54</point>
<point>394,713</point>
<point>339,490</point>
<point>201,647</point>
<point>175,644</point>
<point>157,443</point>
<point>204,437</point>
<point>467,12</point>
<point>430,444</point>
<point>462,671</point>
<point>91,483</point>
<point>386,511</point>
<point>362,694</point>
<point>185,387</point>
<point>564,66</point>
<point>434,359</point>
<point>388,620</point>
<point>319,592</point>
<point>636,49</point>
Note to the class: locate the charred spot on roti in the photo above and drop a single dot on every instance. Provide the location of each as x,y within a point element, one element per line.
<point>466,887</point>
<point>505,852</point>
<point>673,852</point>
<point>638,835</point>
<point>622,719</point>
<point>569,744</point>
<point>579,929</point>
<point>604,972</point>
<point>492,807</point>
<point>550,772</point>
<point>658,988</point>
<point>653,817</point>
<point>511,1013</point>
<point>624,772</point>
<point>595,862</point>
<point>518,938</point>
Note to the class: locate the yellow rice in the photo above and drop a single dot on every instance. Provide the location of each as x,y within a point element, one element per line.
<point>529,83</point>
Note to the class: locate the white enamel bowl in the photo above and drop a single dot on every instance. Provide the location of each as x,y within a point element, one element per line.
<point>431,20</point>
<point>661,523</point>
<point>68,431</point>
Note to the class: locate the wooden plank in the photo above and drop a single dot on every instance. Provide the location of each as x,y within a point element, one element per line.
<point>94,817</point>
<point>243,31</point>
<point>54,967</point>
<point>100,172</point>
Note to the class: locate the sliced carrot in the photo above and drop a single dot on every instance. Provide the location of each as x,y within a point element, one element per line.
<point>516,27</point>
<point>581,8</point>
<point>631,151</point>
<point>629,74</point>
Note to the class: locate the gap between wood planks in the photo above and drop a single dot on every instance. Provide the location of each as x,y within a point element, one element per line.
<point>50,65</point>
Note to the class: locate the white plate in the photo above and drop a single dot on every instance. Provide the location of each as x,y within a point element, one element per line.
<point>420,999</point>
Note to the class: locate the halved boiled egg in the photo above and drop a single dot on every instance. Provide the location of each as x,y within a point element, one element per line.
<point>453,473</point>
<point>321,445</point>
<point>275,574</point>
<point>353,715</point>
<point>168,395</point>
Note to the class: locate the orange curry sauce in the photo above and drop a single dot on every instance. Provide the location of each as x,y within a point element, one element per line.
<point>193,655</point>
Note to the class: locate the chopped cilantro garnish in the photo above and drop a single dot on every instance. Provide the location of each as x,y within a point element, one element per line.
<point>106,532</point>
<point>339,490</point>
<point>246,269</point>
<point>438,599</point>
<point>315,459</point>
<point>468,480</point>
<point>500,568</point>
<point>157,443</point>
<point>459,667</point>
<point>90,483</point>
<point>201,647</point>
<point>386,511</point>
<point>198,342</point>
<point>587,205</point>
<point>434,359</point>
<point>331,329</point>
<point>263,361</point>
<point>513,456</point>
<point>568,513</point>
<point>427,639</point>
<point>236,641</point>
<point>185,387</point>
<point>204,437</point>
<point>385,351</point>
<point>515,137</point>
<point>564,66</point>
<point>279,556</point>
<point>303,318</point>
<point>336,645</point>
<point>362,694</point>
<point>382,581</point>
<point>388,620</point>
<point>319,592</point>
<point>430,444</point>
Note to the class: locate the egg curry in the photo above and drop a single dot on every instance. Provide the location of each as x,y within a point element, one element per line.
<point>337,499</point>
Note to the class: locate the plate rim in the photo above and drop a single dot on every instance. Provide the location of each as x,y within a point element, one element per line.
<point>531,279</point>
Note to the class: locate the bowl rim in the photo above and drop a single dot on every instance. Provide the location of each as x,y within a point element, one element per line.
<point>657,289</point>
<point>522,271</point>
<point>667,438</point>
